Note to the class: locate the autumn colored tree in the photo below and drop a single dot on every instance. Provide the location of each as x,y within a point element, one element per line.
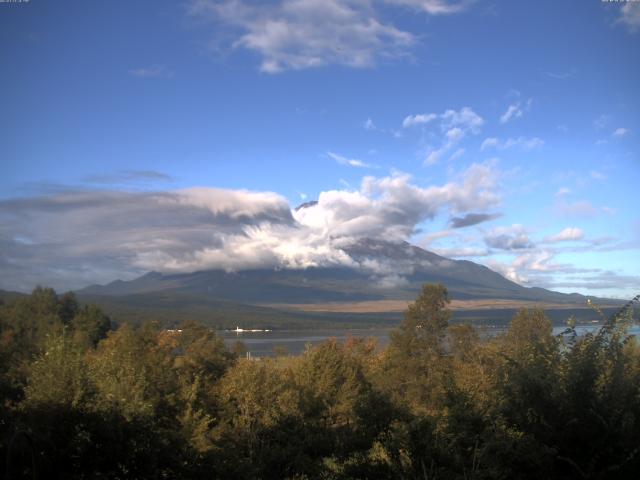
<point>414,359</point>
<point>441,401</point>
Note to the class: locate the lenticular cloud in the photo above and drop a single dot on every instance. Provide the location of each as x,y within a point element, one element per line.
<point>91,235</point>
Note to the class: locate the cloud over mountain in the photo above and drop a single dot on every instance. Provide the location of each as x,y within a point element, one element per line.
<point>75,237</point>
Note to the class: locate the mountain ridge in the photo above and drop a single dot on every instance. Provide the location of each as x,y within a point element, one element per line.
<point>381,270</point>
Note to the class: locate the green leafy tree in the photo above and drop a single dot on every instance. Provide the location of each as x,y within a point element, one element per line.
<point>138,397</point>
<point>28,322</point>
<point>202,352</point>
<point>600,403</point>
<point>346,416</point>
<point>59,376</point>
<point>414,360</point>
<point>67,307</point>
<point>261,431</point>
<point>90,325</point>
<point>133,373</point>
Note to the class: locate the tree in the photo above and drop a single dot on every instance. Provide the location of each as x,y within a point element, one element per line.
<point>261,431</point>
<point>414,359</point>
<point>344,413</point>
<point>59,376</point>
<point>138,399</point>
<point>32,318</point>
<point>132,373</point>
<point>202,352</point>
<point>67,307</point>
<point>90,325</point>
<point>463,341</point>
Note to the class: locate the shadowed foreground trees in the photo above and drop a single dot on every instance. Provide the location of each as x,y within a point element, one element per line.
<point>83,401</point>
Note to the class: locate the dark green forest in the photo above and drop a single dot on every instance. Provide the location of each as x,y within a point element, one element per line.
<point>82,399</point>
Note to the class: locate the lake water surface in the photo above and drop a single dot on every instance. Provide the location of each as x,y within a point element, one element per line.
<point>260,344</point>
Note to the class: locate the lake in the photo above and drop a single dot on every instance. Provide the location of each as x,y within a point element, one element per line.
<point>261,344</point>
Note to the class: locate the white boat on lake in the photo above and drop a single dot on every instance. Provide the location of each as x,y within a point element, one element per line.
<point>245,330</point>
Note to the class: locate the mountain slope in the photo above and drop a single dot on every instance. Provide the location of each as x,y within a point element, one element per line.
<point>381,270</point>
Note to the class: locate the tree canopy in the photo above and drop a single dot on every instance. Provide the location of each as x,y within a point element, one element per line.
<point>84,400</point>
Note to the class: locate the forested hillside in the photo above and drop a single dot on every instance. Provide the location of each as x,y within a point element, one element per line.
<point>84,400</point>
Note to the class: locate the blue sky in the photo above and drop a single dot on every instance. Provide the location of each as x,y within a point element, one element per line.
<point>516,122</point>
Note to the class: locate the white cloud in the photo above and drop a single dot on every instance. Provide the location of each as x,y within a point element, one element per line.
<point>538,261</point>
<point>537,268</point>
<point>489,143</point>
<point>515,110</point>
<point>566,235</point>
<point>457,252</point>
<point>454,125</point>
<point>236,204</point>
<point>434,7</point>
<point>604,283</point>
<point>454,134</point>
<point>300,34</point>
<point>434,156</point>
<point>80,237</point>
<point>562,191</point>
<point>508,238</point>
<point>465,118</point>
<point>452,137</point>
<point>630,16</point>
<point>524,143</point>
<point>369,125</point>
<point>597,175</point>
<point>390,281</point>
<point>526,266</point>
<point>620,132</point>
<point>457,154</point>
<point>508,271</point>
<point>418,119</point>
<point>391,207</point>
<point>351,162</point>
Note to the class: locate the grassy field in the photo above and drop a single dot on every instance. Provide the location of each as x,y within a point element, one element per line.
<point>171,310</point>
<point>390,306</point>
